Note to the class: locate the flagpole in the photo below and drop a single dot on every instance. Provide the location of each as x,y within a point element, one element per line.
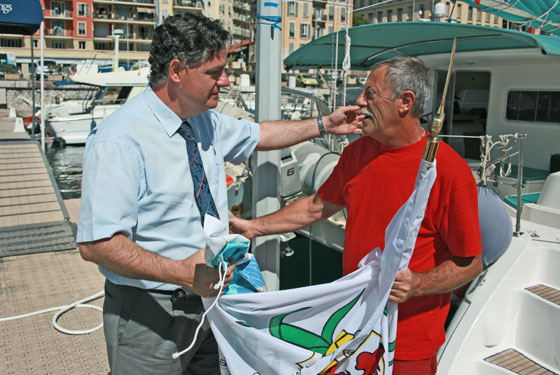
<point>437,120</point>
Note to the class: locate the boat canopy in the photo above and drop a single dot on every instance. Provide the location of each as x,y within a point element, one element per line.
<point>541,14</point>
<point>20,17</point>
<point>377,42</point>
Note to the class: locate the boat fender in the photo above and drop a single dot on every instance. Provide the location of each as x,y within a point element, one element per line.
<point>496,229</point>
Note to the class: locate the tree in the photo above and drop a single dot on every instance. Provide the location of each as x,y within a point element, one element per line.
<point>359,20</point>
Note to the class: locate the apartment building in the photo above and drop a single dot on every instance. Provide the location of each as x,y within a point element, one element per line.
<point>305,20</point>
<point>92,30</point>
<point>377,11</point>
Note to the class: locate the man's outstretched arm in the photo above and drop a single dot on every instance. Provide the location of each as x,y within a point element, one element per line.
<point>297,215</point>
<point>446,277</point>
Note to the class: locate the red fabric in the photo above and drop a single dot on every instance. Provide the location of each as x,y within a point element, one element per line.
<point>419,367</point>
<point>373,181</point>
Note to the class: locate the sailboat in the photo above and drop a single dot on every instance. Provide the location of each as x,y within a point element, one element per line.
<point>505,91</point>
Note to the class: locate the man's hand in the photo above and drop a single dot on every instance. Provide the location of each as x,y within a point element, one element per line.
<point>404,286</point>
<point>344,120</point>
<point>242,227</point>
<point>201,279</point>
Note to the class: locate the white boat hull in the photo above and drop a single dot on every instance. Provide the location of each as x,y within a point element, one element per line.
<point>511,310</point>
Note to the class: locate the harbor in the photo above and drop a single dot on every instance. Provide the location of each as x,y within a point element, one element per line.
<point>490,93</point>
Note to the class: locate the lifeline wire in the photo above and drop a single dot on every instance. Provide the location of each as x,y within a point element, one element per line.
<point>222,280</point>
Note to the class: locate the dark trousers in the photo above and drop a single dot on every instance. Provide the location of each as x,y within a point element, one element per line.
<point>144,328</point>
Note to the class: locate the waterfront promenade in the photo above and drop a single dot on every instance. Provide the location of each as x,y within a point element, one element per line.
<point>39,279</point>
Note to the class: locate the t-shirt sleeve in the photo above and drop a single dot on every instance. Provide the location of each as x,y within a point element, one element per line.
<point>460,228</point>
<point>111,179</point>
<point>332,189</point>
<point>238,138</point>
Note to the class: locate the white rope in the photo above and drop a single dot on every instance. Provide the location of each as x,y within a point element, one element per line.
<point>63,309</point>
<point>487,145</point>
<point>221,284</point>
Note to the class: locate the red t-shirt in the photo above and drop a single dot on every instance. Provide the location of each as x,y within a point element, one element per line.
<point>373,181</point>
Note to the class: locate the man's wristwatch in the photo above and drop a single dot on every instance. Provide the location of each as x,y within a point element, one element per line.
<point>321,125</point>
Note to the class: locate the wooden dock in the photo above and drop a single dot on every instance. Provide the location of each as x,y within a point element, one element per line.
<point>33,277</point>
<point>33,217</point>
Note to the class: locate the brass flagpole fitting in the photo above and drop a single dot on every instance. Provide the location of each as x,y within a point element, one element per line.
<point>437,120</point>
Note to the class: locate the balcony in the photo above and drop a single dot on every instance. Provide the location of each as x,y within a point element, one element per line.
<point>58,14</point>
<point>129,2</point>
<point>319,17</point>
<point>186,4</point>
<point>241,5</point>
<point>139,18</point>
<point>242,18</point>
<point>59,32</point>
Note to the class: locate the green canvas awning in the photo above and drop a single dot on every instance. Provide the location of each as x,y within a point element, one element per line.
<point>540,14</point>
<point>375,42</point>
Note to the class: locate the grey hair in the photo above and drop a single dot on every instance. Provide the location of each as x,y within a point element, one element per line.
<point>408,73</point>
<point>189,37</point>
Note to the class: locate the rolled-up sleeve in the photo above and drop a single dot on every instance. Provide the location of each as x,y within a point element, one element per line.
<point>110,190</point>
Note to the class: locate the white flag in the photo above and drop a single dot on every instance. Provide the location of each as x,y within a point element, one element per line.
<point>344,327</point>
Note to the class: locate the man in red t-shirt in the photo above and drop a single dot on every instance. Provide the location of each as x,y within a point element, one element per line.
<point>372,180</point>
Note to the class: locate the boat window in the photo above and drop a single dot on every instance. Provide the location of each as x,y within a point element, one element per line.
<point>539,106</point>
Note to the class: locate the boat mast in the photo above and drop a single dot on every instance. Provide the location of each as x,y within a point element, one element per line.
<point>265,165</point>
<point>439,117</point>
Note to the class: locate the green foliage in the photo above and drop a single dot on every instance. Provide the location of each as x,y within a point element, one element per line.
<point>359,20</point>
<point>9,69</point>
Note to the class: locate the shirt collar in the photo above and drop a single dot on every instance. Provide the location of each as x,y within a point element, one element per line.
<point>167,118</point>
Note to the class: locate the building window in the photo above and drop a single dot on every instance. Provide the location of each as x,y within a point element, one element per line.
<point>82,45</point>
<point>487,17</point>
<point>81,28</point>
<point>291,48</point>
<point>458,16</point>
<point>331,13</point>
<point>83,10</point>
<point>409,14</point>
<point>379,17</point>
<point>59,44</point>
<point>305,10</point>
<point>304,31</point>
<point>292,30</point>
<point>57,9</point>
<point>164,1</point>
<point>14,43</point>
<point>292,9</point>
<point>330,29</point>
<point>165,13</point>
<point>478,15</point>
<point>102,46</point>
<point>539,106</point>
<point>390,15</point>
<point>399,14</point>
<point>469,17</point>
<point>370,17</point>
<point>343,14</point>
